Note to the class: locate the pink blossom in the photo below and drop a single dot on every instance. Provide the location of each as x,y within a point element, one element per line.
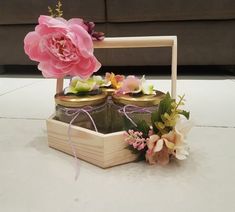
<point>115,80</point>
<point>61,47</point>
<point>130,85</point>
<point>159,148</point>
<point>135,139</point>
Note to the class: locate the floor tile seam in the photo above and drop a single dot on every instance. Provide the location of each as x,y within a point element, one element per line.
<point>215,126</point>
<point>18,88</point>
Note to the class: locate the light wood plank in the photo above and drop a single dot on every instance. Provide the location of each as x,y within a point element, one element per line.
<point>135,42</point>
<point>99,149</point>
<point>59,85</point>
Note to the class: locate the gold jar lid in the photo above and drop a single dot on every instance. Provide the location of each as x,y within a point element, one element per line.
<point>141,101</point>
<point>109,90</point>
<point>80,101</point>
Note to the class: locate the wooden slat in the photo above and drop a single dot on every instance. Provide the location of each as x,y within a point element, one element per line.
<point>99,149</point>
<point>59,85</point>
<point>135,42</point>
<point>174,69</point>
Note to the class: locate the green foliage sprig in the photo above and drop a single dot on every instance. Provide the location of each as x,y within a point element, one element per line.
<point>164,119</point>
<point>57,12</point>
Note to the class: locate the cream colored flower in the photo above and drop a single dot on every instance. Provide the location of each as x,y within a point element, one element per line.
<point>147,88</point>
<point>181,129</point>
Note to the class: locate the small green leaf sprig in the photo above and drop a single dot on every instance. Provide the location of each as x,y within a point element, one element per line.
<point>57,12</point>
<point>164,119</point>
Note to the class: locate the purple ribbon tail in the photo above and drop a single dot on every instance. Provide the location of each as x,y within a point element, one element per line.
<point>76,113</point>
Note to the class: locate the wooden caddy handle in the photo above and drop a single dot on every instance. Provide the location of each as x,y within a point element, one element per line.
<point>139,42</point>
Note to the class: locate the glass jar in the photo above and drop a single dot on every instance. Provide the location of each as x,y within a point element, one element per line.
<point>109,91</point>
<point>137,108</point>
<point>68,107</point>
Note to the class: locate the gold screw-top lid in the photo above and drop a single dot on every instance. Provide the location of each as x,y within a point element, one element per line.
<point>80,101</point>
<point>109,90</point>
<point>141,101</point>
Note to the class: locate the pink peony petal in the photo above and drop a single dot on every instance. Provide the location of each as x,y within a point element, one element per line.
<point>44,30</point>
<point>86,67</point>
<point>83,42</point>
<point>50,72</point>
<point>32,47</point>
<point>77,21</point>
<point>52,22</point>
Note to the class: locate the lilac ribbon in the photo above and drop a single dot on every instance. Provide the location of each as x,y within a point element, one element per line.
<point>133,109</point>
<point>75,113</point>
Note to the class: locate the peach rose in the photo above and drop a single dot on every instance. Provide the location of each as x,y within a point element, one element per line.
<point>61,47</point>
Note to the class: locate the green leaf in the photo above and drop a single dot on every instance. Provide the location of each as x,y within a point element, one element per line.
<point>165,106</point>
<point>128,124</point>
<point>185,113</point>
<point>143,127</point>
<point>154,116</point>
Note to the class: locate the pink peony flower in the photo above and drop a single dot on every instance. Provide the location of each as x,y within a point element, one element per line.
<point>61,47</point>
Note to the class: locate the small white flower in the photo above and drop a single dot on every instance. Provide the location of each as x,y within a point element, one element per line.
<point>181,129</point>
<point>146,87</point>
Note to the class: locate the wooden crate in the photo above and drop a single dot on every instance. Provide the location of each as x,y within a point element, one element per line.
<point>94,147</point>
<point>106,150</point>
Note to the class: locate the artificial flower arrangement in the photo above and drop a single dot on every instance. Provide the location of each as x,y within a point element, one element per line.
<point>65,48</point>
<point>166,137</point>
<point>119,83</point>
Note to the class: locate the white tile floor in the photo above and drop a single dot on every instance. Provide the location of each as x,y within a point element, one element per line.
<point>36,178</point>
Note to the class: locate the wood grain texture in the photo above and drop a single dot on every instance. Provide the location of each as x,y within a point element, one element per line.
<point>135,42</point>
<point>99,149</point>
<point>59,85</point>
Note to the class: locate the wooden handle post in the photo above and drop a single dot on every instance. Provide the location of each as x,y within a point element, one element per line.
<point>59,85</point>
